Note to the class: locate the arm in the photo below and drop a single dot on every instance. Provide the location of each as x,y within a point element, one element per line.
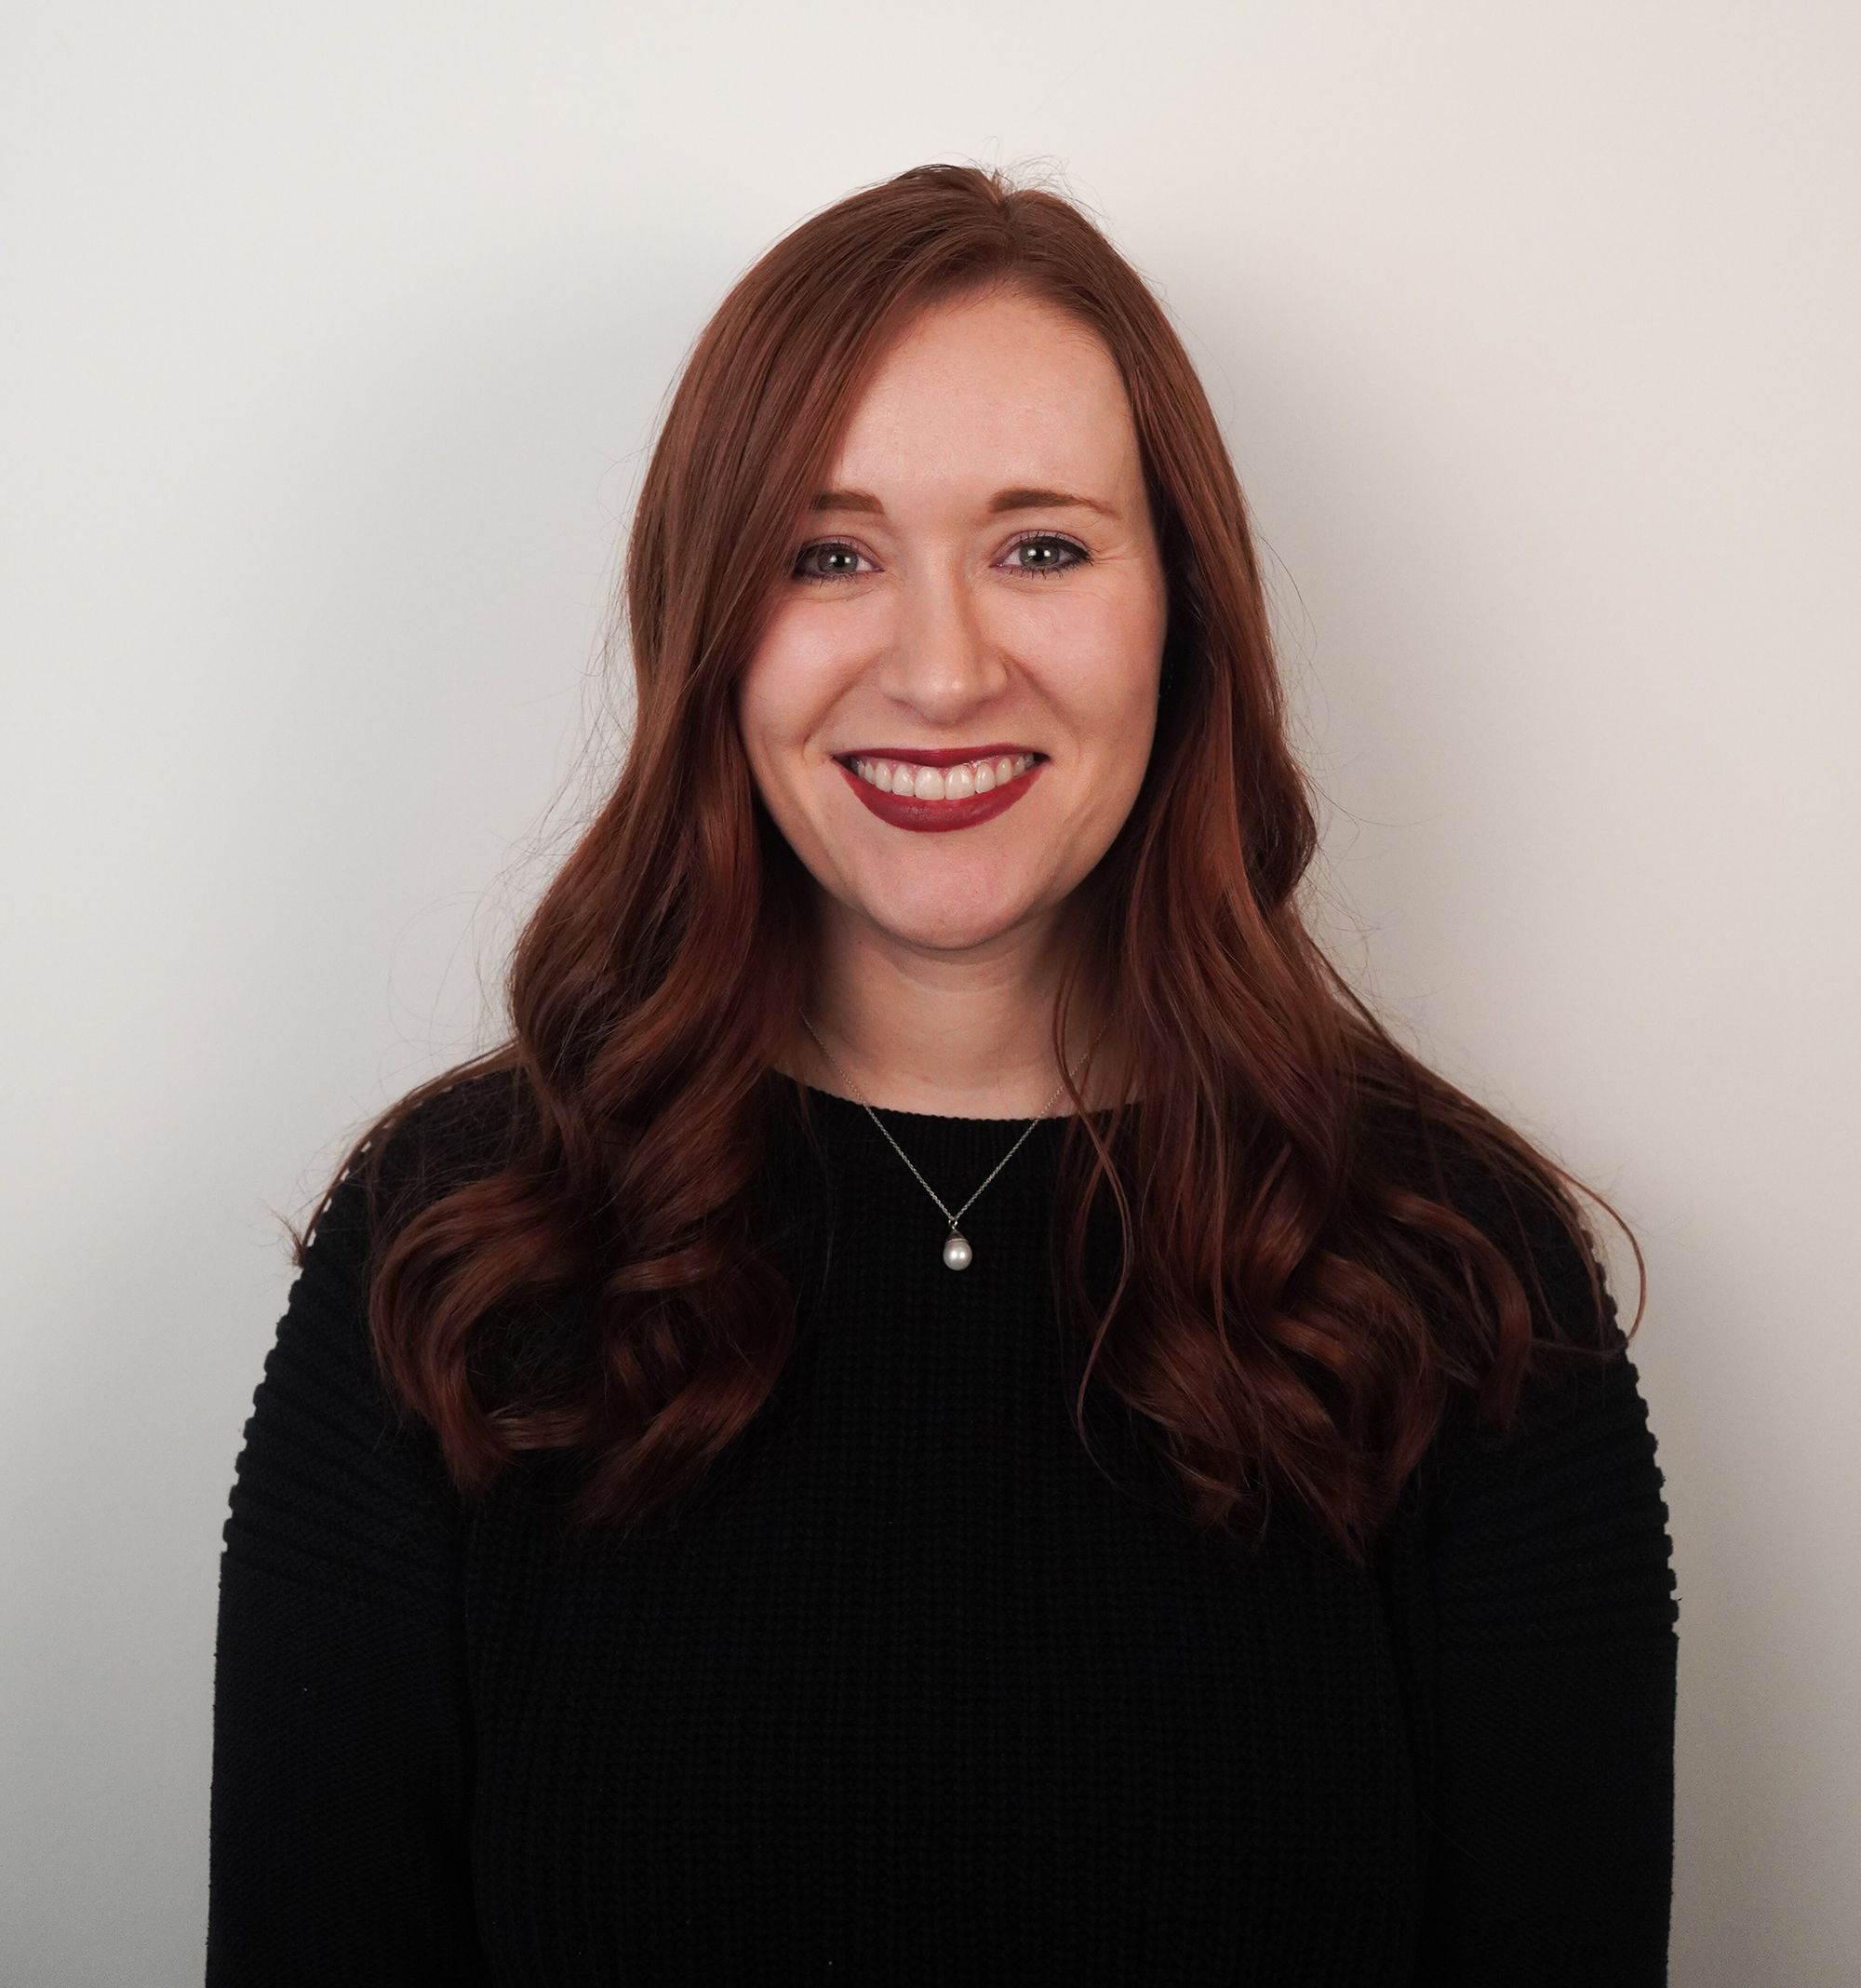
<point>339,1846</point>
<point>1552,1857</point>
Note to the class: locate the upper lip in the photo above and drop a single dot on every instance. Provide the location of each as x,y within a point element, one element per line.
<point>938,755</point>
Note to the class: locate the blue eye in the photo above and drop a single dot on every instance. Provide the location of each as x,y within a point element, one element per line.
<point>1081,557</point>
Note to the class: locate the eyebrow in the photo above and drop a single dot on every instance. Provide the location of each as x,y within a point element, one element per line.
<point>1021,497</point>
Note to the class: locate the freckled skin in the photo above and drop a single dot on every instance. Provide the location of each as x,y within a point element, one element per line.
<point>940,952</point>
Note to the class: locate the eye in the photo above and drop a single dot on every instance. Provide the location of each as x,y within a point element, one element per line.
<point>1080,556</point>
<point>844,548</point>
<point>825,545</point>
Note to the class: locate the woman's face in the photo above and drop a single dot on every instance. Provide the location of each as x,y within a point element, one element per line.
<point>937,605</point>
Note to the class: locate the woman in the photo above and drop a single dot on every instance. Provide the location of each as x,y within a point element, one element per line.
<point>949,1406</point>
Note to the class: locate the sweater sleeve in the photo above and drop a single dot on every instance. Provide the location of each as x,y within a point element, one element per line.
<point>341,1800</point>
<point>1551,1567</point>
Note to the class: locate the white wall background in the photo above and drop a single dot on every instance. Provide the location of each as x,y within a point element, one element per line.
<point>335,339</point>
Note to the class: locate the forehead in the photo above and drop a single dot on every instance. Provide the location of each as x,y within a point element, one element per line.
<point>1002,389</point>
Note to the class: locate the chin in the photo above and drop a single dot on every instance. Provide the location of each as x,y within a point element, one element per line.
<point>939,932</point>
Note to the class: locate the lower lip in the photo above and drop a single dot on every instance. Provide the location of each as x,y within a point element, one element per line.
<point>907,811</point>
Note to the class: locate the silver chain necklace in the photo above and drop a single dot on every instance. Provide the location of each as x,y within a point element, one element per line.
<point>957,1252</point>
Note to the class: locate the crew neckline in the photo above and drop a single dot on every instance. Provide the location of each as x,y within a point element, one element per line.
<point>941,1120</point>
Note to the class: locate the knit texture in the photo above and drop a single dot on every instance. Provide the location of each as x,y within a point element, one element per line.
<point>912,1690</point>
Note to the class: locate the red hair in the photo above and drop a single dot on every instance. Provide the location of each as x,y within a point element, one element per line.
<point>1325,1242</point>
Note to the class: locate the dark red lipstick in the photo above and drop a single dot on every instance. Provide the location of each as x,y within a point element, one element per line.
<point>905,811</point>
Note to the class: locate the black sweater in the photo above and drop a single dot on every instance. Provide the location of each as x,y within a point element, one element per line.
<point>910,1692</point>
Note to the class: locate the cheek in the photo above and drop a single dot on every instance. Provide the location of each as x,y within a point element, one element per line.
<point>777,695</point>
<point>1110,633</point>
<point>1104,672</point>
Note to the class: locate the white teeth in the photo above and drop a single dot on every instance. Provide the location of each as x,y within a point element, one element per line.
<point>942,783</point>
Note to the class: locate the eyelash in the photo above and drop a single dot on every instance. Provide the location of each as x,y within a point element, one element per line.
<point>1083,558</point>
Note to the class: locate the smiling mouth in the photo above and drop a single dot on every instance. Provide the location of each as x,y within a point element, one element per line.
<point>921,780</point>
<point>939,757</point>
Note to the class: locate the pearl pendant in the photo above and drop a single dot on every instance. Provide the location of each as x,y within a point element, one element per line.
<point>958,1254</point>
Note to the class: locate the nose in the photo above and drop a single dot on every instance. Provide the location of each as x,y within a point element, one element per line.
<point>941,659</point>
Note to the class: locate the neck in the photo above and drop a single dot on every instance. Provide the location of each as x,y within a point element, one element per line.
<point>920,1083</point>
<point>963,1033</point>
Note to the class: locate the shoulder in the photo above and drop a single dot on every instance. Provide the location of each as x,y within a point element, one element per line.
<point>1527,1217</point>
<point>337,1488</point>
<point>1573,1395</point>
<point>460,1131</point>
<point>465,1126</point>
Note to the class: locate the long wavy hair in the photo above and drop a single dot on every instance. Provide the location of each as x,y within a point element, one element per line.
<point>1324,1244</point>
